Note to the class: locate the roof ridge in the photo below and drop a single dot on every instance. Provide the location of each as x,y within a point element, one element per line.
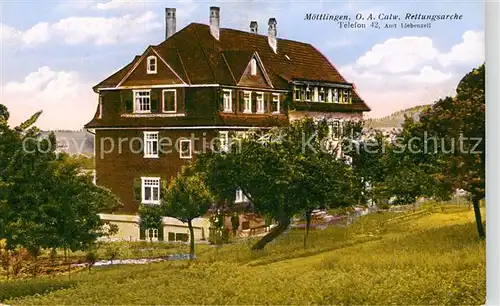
<point>183,67</point>
<point>204,54</point>
<point>229,68</point>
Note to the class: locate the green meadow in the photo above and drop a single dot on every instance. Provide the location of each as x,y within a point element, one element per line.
<point>426,256</point>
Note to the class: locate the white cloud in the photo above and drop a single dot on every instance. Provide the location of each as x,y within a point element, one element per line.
<point>468,52</point>
<point>96,30</point>
<point>120,4</point>
<point>397,55</point>
<point>66,100</point>
<point>409,71</point>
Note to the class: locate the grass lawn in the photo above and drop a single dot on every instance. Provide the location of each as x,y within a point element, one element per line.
<point>430,256</point>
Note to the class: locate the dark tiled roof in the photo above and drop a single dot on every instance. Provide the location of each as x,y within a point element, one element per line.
<point>198,58</point>
<point>195,53</point>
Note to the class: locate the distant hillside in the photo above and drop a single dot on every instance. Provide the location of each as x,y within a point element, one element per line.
<point>396,119</point>
<point>74,142</point>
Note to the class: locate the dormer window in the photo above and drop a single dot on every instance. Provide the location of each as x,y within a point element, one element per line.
<point>336,95</point>
<point>345,96</point>
<point>99,115</point>
<point>142,100</point>
<point>308,94</point>
<point>247,97</point>
<point>151,61</point>
<point>321,94</point>
<point>253,67</point>
<point>315,96</point>
<point>297,96</point>
<point>329,96</point>
<point>227,101</point>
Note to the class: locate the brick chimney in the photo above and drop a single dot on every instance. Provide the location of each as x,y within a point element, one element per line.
<point>253,27</point>
<point>272,33</point>
<point>214,21</point>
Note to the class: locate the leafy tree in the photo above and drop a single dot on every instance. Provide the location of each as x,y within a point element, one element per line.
<point>451,143</point>
<point>45,200</point>
<point>283,172</point>
<point>187,198</point>
<point>150,217</point>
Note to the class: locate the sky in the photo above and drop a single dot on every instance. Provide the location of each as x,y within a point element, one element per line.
<point>53,52</point>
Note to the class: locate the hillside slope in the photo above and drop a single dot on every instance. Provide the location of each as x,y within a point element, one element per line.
<point>396,119</point>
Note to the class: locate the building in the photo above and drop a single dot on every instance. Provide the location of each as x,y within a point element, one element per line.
<point>204,83</point>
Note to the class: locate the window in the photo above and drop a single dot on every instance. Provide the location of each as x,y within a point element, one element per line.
<point>275,106</point>
<point>297,96</point>
<point>308,94</point>
<point>169,101</point>
<point>151,144</point>
<point>329,96</point>
<point>185,149</point>
<point>321,95</point>
<point>336,95</point>
<point>260,102</point>
<point>227,100</point>
<point>150,190</point>
<point>224,141</point>
<point>240,197</point>
<point>99,116</point>
<point>152,233</point>
<point>247,98</point>
<point>245,225</point>
<point>142,100</point>
<point>253,67</point>
<point>315,97</point>
<point>151,69</point>
<point>335,130</point>
<point>345,96</point>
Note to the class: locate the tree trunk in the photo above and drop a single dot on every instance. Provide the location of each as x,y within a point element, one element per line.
<point>191,243</point>
<point>479,222</point>
<point>275,232</point>
<point>308,225</point>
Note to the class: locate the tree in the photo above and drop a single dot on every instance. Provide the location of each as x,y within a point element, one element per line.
<point>282,172</point>
<point>150,217</point>
<point>187,198</point>
<point>45,200</point>
<point>451,143</point>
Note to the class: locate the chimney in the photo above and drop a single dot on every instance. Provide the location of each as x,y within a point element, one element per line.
<point>253,27</point>
<point>169,22</point>
<point>271,36</point>
<point>214,21</point>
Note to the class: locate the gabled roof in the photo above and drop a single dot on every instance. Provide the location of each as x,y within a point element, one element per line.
<point>198,58</point>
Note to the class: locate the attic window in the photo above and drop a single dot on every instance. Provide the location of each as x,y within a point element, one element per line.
<point>253,67</point>
<point>308,94</point>
<point>151,68</point>
<point>321,94</point>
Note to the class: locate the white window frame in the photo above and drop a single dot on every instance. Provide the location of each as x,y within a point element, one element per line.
<point>155,234</point>
<point>339,129</point>
<point>145,180</point>
<point>329,96</point>
<point>344,99</point>
<point>260,102</point>
<point>226,109</point>
<point>137,105</point>
<point>295,90</point>
<point>247,102</point>
<point>276,99</point>
<point>335,95</point>
<point>315,95</point>
<point>224,140</point>
<point>240,197</point>
<point>163,100</point>
<point>149,64</point>
<point>319,94</point>
<point>253,67</point>
<point>308,90</point>
<point>190,152</point>
<point>99,116</point>
<point>149,139</point>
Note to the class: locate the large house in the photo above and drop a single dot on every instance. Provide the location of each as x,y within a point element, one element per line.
<point>203,83</point>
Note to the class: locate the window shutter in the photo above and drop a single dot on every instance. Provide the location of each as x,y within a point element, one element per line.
<point>154,101</point>
<point>267,104</point>
<point>160,233</point>
<point>241,105</point>
<point>254,102</point>
<point>137,189</point>
<point>142,233</point>
<point>127,101</point>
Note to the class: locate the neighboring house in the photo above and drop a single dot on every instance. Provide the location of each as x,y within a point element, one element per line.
<point>201,84</point>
